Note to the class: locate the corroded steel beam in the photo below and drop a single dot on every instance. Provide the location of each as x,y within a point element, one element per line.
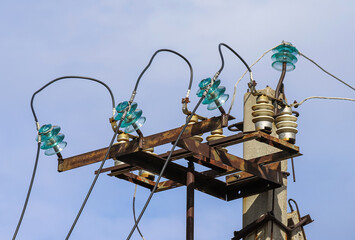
<point>161,138</point>
<point>133,178</point>
<point>231,160</point>
<point>176,172</point>
<point>145,182</point>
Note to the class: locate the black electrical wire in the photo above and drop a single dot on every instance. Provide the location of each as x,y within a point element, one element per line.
<point>67,77</point>
<point>164,167</point>
<point>280,83</point>
<point>39,143</point>
<point>222,58</point>
<point>96,177</point>
<point>133,94</point>
<point>28,193</point>
<point>151,60</point>
<point>134,211</point>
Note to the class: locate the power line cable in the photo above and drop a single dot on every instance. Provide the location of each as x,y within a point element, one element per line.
<point>166,162</point>
<point>39,142</point>
<point>97,175</point>
<point>183,129</point>
<point>235,53</point>
<point>134,211</point>
<point>150,62</point>
<point>68,77</point>
<point>28,192</point>
<point>165,165</point>
<point>312,61</point>
<point>235,86</point>
<point>297,104</point>
<point>119,124</point>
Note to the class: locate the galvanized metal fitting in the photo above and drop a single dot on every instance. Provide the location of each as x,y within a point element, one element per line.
<point>263,112</point>
<point>286,125</point>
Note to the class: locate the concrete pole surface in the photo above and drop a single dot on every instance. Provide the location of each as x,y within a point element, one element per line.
<point>259,204</point>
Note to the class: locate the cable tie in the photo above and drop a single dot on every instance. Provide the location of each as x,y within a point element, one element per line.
<point>114,112</point>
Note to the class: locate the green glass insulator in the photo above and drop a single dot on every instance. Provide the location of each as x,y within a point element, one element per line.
<point>54,141</point>
<point>285,54</point>
<point>284,57</point>
<point>135,126</point>
<point>131,118</point>
<point>213,95</point>
<point>58,148</point>
<point>218,103</point>
<point>204,83</point>
<point>51,139</point>
<point>286,48</point>
<point>122,107</point>
<point>213,88</point>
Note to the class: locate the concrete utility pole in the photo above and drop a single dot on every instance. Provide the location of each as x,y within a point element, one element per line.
<point>257,205</point>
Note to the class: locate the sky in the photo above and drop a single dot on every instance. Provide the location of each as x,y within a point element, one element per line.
<point>113,41</point>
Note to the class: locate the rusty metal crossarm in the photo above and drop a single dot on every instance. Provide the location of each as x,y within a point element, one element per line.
<point>161,138</point>
<point>257,135</point>
<point>237,177</point>
<point>274,157</point>
<point>133,178</point>
<point>145,182</point>
<point>231,160</point>
<point>122,168</point>
<point>167,185</point>
<point>211,163</point>
<point>277,143</point>
<point>249,186</point>
<point>176,173</point>
<point>233,139</point>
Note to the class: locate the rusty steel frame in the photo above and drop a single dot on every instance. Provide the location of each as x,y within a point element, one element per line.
<point>243,177</point>
<point>161,138</point>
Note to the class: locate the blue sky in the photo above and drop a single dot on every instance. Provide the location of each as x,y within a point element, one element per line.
<point>113,41</point>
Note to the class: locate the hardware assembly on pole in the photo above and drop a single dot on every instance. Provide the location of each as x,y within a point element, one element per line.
<point>242,177</point>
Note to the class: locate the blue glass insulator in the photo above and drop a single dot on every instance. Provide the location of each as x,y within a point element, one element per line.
<point>204,83</point>
<point>218,103</point>
<point>213,88</point>
<point>215,96</point>
<point>286,47</point>
<point>52,140</point>
<point>135,126</point>
<point>122,107</point>
<point>133,120</point>
<point>56,149</point>
<point>284,53</point>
